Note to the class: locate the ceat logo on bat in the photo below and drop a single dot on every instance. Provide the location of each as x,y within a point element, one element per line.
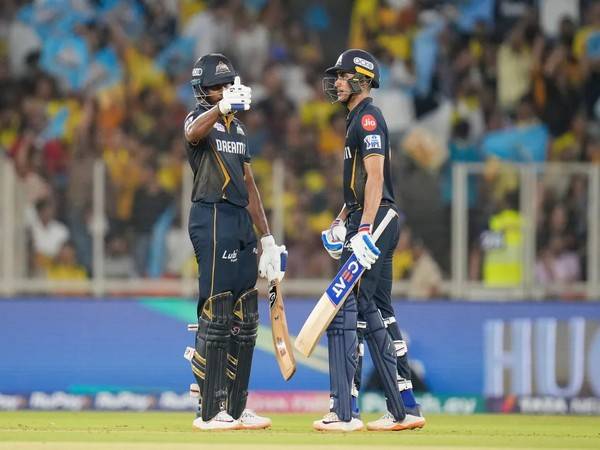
<point>368,122</point>
<point>345,279</point>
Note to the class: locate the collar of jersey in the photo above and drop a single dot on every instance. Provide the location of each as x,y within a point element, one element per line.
<point>362,105</point>
<point>204,108</point>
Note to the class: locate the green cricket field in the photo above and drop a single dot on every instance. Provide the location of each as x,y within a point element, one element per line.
<point>37,430</point>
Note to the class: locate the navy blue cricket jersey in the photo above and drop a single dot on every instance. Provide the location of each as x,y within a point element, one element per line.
<point>218,161</point>
<point>366,135</point>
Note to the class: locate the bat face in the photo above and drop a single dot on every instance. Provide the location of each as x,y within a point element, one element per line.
<point>328,305</point>
<point>345,279</point>
<point>280,346</point>
<point>281,339</point>
<point>333,298</point>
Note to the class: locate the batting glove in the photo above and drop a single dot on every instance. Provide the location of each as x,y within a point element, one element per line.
<point>236,97</point>
<point>273,259</point>
<point>334,238</point>
<point>364,247</point>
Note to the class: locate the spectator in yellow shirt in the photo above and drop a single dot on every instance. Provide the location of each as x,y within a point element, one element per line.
<point>65,265</point>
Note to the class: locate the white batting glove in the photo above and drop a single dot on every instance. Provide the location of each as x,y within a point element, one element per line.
<point>236,97</point>
<point>334,238</point>
<point>273,259</point>
<point>364,247</point>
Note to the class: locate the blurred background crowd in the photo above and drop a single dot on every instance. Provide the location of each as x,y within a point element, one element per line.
<point>487,81</point>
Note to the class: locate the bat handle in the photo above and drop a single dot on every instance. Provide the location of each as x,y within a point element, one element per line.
<point>384,223</point>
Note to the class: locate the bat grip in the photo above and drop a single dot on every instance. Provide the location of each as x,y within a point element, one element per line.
<point>384,223</point>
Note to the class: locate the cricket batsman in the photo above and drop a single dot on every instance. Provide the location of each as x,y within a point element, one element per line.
<point>225,206</point>
<point>368,195</point>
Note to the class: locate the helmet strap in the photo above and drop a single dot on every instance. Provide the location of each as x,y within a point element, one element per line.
<point>356,83</point>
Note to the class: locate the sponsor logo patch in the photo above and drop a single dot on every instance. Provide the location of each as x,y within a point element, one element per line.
<point>240,130</point>
<point>368,122</point>
<point>339,61</point>
<point>197,72</point>
<point>219,126</point>
<point>373,141</point>
<point>364,63</point>
<point>238,148</point>
<point>230,256</point>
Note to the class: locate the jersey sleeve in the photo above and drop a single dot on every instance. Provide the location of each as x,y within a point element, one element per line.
<point>371,135</point>
<point>189,119</point>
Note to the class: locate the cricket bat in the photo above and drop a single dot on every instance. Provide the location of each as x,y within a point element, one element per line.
<point>333,298</point>
<point>284,353</point>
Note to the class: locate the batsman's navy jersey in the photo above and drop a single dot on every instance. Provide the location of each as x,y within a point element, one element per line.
<point>218,161</point>
<point>366,135</point>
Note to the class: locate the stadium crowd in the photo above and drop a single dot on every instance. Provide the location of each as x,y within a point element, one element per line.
<point>474,81</point>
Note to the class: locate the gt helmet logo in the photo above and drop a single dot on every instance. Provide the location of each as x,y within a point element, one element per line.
<point>368,122</point>
<point>221,68</point>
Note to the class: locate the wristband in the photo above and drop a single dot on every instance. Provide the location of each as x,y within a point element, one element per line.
<point>365,228</point>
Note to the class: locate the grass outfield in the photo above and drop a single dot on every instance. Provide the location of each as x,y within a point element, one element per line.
<point>34,430</point>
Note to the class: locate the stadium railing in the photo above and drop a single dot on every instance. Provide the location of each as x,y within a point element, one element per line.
<point>15,279</point>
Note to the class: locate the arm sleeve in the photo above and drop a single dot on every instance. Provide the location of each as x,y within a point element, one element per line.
<point>371,135</point>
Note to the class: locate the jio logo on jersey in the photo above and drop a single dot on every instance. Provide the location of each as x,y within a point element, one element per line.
<point>368,122</point>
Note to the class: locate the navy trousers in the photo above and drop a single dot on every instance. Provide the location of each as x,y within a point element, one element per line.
<point>226,248</point>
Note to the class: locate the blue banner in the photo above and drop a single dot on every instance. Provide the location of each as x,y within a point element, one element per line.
<point>491,349</point>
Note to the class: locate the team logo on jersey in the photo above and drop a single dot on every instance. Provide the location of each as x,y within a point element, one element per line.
<point>219,127</point>
<point>221,68</point>
<point>368,122</point>
<point>240,130</point>
<point>364,63</point>
<point>373,141</point>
